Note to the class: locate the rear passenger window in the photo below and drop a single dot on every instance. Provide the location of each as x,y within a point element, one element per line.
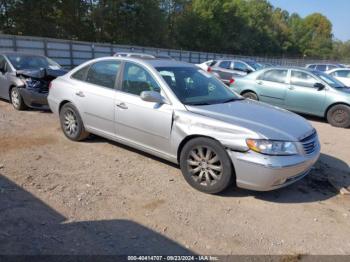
<point>81,73</point>
<point>103,73</point>
<point>275,75</point>
<point>136,80</point>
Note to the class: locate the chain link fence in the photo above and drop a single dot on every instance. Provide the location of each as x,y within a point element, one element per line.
<point>72,53</point>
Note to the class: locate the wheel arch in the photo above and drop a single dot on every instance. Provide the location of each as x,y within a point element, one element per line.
<point>249,91</point>
<point>334,104</point>
<point>62,103</point>
<point>190,137</point>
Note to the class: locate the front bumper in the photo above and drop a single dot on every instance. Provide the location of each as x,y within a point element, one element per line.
<point>260,172</point>
<point>33,98</point>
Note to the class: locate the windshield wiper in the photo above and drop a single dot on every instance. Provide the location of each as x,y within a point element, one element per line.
<point>198,104</point>
<point>232,99</point>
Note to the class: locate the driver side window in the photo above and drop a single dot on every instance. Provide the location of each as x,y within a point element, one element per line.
<point>300,78</point>
<point>136,80</point>
<point>240,66</point>
<point>3,65</point>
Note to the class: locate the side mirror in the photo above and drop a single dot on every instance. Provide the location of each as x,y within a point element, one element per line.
<point>152,96</point>
<point>319,86</point>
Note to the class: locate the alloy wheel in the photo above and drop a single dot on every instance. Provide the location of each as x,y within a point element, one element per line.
<point>204,166</point>
<point>15,97</point>
<point>340,116</point>
<point>70,123</point>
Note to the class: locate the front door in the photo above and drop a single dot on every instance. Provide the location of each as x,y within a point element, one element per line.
<point>137,121</point>
<point>302,96</point>
<point>4,82</point>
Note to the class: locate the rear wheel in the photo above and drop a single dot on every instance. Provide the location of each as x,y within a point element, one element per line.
<point>205,165</point>
<point>71,123</point>
<point>339,116</point>
<point>17,100</point>
<point>250,95</point>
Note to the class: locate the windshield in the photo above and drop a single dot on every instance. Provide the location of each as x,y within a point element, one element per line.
<point>329,80</point>
<point>21,62</point>
<point>256,66</point>
<point>194,86</point>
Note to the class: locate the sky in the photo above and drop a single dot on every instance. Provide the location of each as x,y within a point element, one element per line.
<point>337,11</point>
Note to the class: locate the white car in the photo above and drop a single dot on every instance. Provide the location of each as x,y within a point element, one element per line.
<point>341,74</point>
<point>205,65</point>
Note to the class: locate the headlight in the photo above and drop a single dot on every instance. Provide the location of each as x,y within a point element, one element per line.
<point>271,147</point>
<point>32,83</point>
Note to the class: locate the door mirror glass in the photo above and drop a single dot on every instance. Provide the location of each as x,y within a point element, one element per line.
<point>319,86</point>
<point>152,96</point>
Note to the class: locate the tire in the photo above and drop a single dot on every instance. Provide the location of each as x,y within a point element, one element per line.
<point>71,123</point>
<point>250,95</point>
<point>198,169</point>
<point>17,100</point>
<point>339,116</point>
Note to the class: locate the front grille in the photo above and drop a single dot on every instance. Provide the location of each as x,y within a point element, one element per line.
<point>309,143</point>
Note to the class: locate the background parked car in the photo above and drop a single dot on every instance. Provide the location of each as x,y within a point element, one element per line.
<point>205,65</point>
<point>342,74</point>
<point>25,79</point>
<point>142,55</point>
<point>323,67</point>
<point>300,90</point>
<point>225,69</point>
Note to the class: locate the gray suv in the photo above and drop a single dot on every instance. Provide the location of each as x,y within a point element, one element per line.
<point>226,69</point>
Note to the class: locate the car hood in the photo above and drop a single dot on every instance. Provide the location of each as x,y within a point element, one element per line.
<point>41,73</point>
<point>268,121</point>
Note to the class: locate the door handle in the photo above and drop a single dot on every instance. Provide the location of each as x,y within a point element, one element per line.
<point>291,88</point>
<point>259,82</point>
<point>122,105</point>
<point>80,93</point>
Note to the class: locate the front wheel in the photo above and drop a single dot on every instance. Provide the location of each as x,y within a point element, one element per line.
<point>250,95</point>
<point>17,100</point>
<point>206,165</point>
<point>339,116</point>
<point>71,123</point>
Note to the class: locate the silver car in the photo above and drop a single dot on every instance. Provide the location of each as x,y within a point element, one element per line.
<point>179,112</point>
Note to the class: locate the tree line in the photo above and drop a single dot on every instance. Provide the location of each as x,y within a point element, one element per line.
<point>247,27</point>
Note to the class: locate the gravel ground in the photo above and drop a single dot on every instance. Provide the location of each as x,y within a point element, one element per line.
<point>99,197</point>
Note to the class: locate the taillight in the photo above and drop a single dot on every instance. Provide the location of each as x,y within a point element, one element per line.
<point>232,80</point>
<point>209,69</point>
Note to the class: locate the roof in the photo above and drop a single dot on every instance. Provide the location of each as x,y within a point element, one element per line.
<point>167,63</point>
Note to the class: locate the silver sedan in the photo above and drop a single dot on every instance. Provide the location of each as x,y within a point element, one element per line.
<point>181,113</point>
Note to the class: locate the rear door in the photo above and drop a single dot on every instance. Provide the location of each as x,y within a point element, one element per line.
<point>302,96</point>
<point>223,69</point>
<point>272,86</point>
<point>95,96</point>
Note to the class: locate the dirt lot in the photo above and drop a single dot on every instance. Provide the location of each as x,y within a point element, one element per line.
<point>99,197</point>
